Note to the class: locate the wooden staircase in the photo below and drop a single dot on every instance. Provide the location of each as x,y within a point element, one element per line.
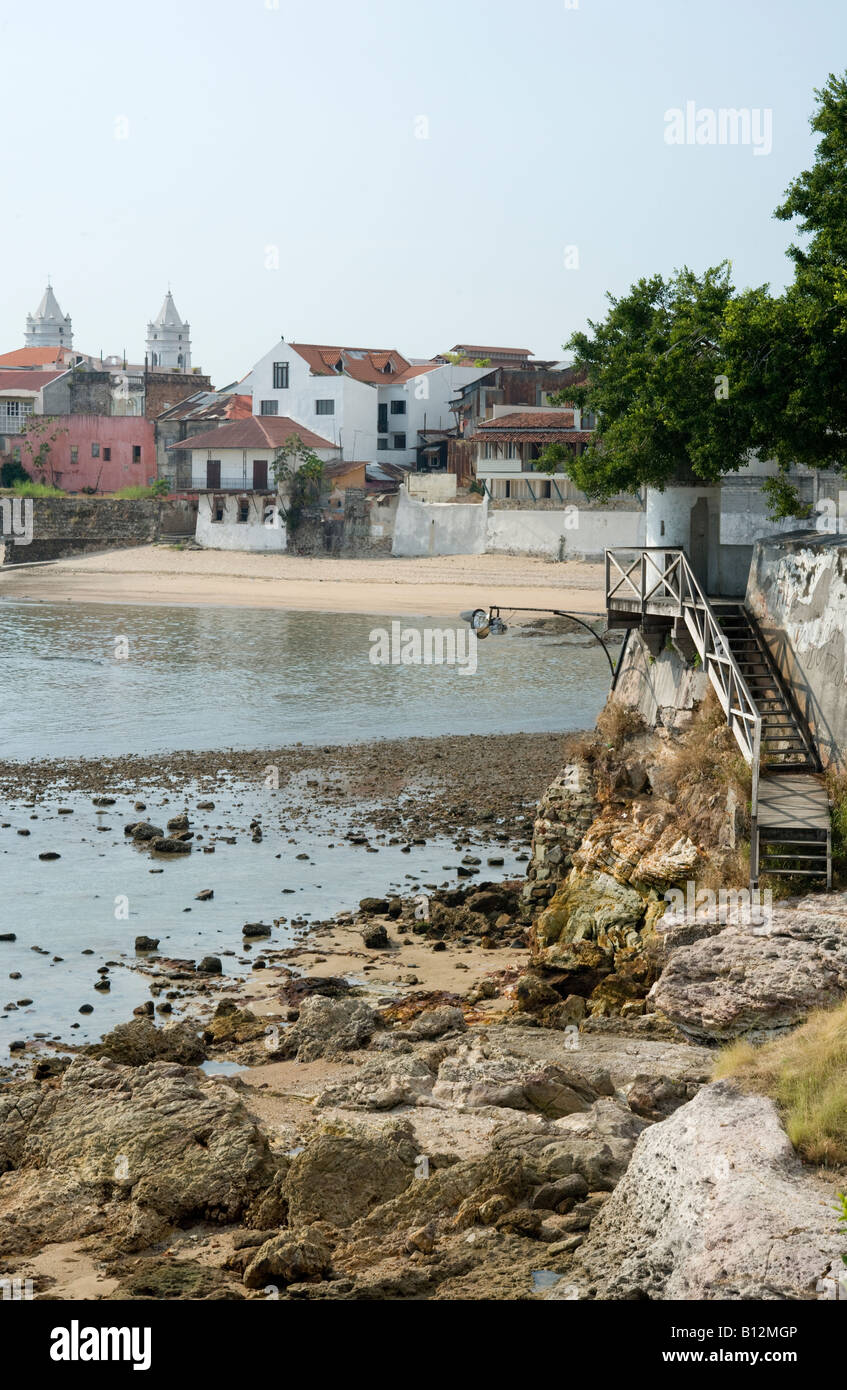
<point>656,590</point>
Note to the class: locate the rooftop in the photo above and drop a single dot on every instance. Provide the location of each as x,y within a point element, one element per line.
<point>255,432</point>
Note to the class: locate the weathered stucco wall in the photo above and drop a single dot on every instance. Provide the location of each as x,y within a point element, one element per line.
<point>264,528</point>
<point>439,528</point>
<point>663,689</point>
<point>564,532</point>
<point>798,592</point>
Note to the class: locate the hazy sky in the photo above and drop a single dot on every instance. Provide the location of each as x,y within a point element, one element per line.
<point>184,140</point>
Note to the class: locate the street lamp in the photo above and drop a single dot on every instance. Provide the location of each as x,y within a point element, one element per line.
<point>488,622</point>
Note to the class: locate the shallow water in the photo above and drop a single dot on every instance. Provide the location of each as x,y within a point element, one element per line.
<point>205,678</point>
<point>209,678</point>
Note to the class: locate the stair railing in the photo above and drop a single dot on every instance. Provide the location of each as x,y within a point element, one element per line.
<point>659,579</point>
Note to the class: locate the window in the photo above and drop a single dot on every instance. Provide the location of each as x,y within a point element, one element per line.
<point>382,419</point>
<point>280,376</point>
<point>269,407</point>
<point>217,513</point>
<point>243,511</point>
<point>95,451</point>
<point>398,407</point>
<point>382,443</point>
<point>324,407</point>
<point>589,420</point>
<point>107,454</point>
<point>136,453</point>
<point>74,453</point>
<point>399,441</point>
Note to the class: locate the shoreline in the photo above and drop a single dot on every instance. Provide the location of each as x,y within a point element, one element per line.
<point>161,575</point>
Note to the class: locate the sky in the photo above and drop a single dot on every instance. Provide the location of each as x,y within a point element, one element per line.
<point>381,174</point>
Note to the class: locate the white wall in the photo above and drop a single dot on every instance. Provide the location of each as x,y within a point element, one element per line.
<point>231,534</point>
<point>237,464</point>
<point>432,487</point>
<point>566,533</point>
<point>439,528</point>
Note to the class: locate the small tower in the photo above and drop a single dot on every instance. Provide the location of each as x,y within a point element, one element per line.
<point>168,340</point>
<point>48,326</point>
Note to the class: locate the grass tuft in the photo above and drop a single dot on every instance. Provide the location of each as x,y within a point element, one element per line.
<point>805,1073</point>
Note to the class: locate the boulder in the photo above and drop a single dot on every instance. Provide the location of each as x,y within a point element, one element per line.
<point>124,1151</point>
<point>374,936</point>
<point>143,830</point>
<point>288,1259</point>
<point>328,1028</point>
<point>140,1041</point>
<point>433,1023</point>
<point>341,1177</point>
<point>715,1205</point>
<point>746,980</point>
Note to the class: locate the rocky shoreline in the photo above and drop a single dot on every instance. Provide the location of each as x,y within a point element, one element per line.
<point>501,1090</point>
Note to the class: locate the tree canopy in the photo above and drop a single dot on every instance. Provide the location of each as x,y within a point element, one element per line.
<point>688,375</point>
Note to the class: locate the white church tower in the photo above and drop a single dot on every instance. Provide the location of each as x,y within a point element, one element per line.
<point>48,326</point>
<point>168,341</point>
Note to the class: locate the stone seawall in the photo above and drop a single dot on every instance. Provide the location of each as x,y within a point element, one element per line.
<point>64,526</point>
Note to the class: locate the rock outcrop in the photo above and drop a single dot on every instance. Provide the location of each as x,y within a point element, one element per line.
<point>757,980</point>
<point>714,1205</point>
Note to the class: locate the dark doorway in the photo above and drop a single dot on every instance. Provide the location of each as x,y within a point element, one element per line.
<point>699,547</point>
<point>213,473</point>
<point>260,475</point>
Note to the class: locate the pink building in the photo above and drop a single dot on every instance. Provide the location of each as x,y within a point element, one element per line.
<point>104,452</point>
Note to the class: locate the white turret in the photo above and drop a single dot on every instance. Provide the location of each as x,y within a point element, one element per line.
<point>168,341</point>
<point>48,326</point>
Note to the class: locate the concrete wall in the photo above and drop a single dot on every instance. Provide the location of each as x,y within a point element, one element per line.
<point>264,528</point>
<point>431,487</point>
<point>798,592</point>
<point>563,532</point>
<point>439,528</point>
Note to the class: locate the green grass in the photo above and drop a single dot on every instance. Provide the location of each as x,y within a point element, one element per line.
<point>805,1073</point>
<point>137,491</point>
<point>32,489</point>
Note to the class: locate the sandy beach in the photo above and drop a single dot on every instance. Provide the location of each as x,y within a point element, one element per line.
<point>442,586</point>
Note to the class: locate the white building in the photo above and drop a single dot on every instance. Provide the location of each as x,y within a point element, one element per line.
<point>48,325</point>
<point>238,456</point>
<point>372,403</point>
<point>168,339</point>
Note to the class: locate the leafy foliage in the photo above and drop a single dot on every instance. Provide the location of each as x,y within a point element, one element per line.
<point>688,374</point>
<point>299,476</point>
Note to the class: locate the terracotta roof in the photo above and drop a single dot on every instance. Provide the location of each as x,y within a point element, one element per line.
<point>38,357</point>
<point>529,420</point>
<point>255,432</point>
<point>23,380</point>
<point>363,364</point>
<point>420,370</point>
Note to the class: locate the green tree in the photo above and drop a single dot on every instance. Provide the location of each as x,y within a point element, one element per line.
<point>685,374</point>
<point>298,473</point>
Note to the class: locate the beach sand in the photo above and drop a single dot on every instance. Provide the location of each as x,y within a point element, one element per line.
<point>444,585</point>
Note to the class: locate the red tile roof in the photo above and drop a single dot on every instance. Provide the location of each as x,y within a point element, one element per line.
<point>255,432</point>
<point>37,357</point>
<point>530,420</point>
<point>22,380</point>
<point>363,364</point>
<point>491,351</point>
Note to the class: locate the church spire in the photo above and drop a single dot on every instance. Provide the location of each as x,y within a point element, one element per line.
<point>48,326</point>
<point>168,338</point>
